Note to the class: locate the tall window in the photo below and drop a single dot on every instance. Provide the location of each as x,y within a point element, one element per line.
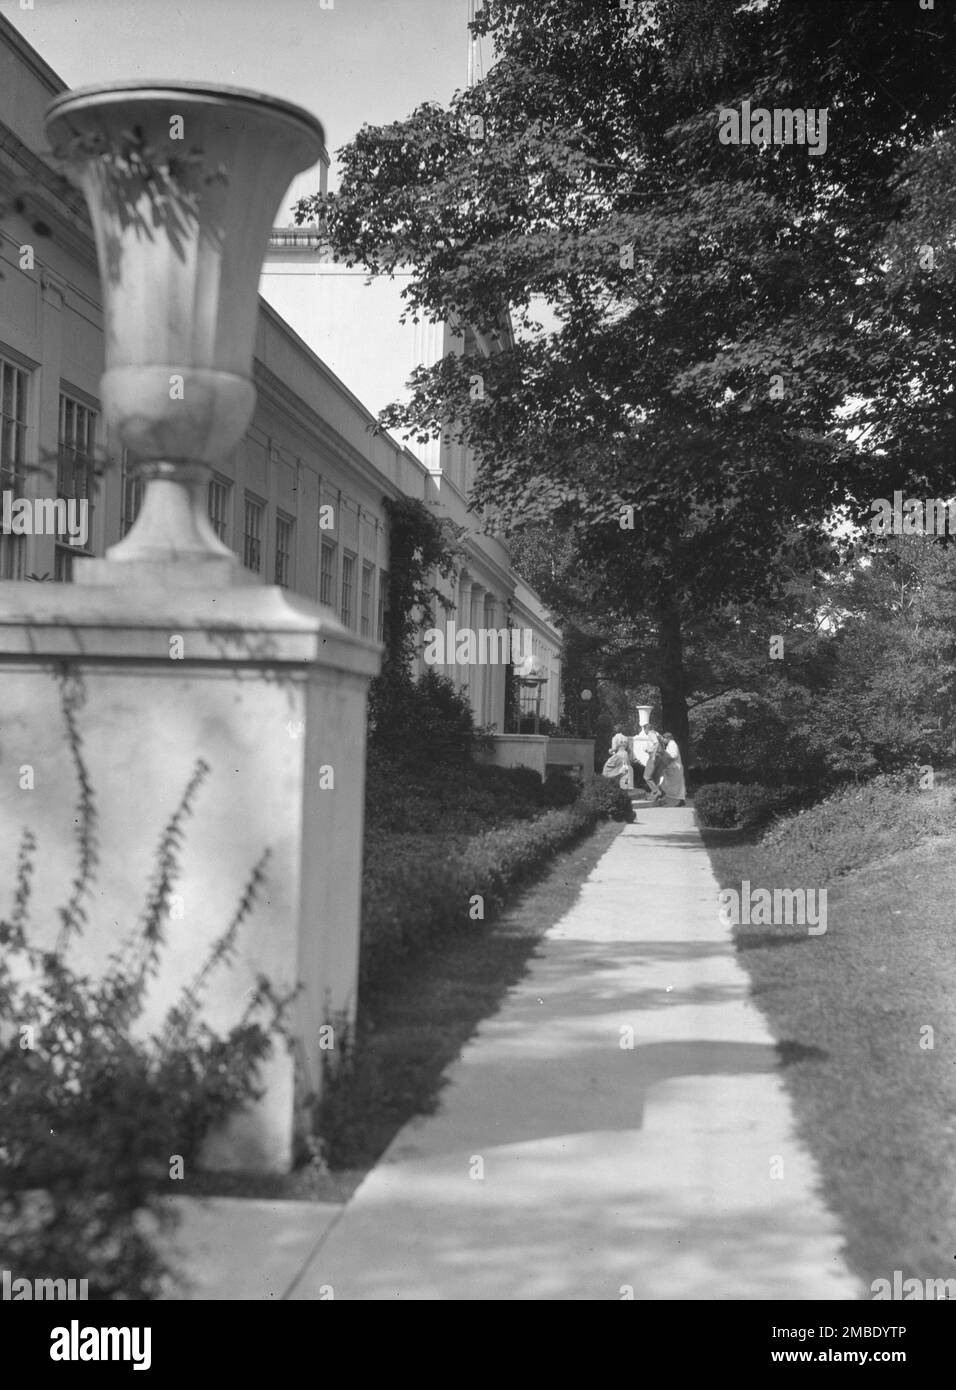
<point>252,534</point>
<point>75,474</point>
<point>382,603</point>
<point>133,491</point>
<point>348,590</point>
<point>218,505</point>
<point>327,574</point>
<point>283,549</point>
<point>13,429</point>
<point>368,580</point>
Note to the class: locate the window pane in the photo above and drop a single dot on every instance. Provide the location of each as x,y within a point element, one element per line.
<point>218,506</point>
<point>13,392</point>
<point>368,579</point>
<point>327,574</point>
<point>283,550</point>
<point>252,535</point>
<point>348,585</point>
<point>76,462</point>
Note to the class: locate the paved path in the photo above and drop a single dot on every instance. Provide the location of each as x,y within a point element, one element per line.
<point>563,1165</point>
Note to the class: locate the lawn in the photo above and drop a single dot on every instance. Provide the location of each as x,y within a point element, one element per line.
<point>851,1009</point>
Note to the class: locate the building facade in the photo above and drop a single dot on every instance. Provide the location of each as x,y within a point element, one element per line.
<point>301,499</point>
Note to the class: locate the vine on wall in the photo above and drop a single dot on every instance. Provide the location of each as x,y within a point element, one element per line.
<point>420,546</point>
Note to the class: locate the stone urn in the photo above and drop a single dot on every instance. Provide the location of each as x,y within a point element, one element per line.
<point>641,742</point>
<point>183,182</point>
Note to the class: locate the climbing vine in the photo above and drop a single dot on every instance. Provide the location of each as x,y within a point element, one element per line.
<point>421,547</point>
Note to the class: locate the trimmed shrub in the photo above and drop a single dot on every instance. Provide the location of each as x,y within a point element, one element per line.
<point>716,804</point>
<point>417,885</point>
<point>560,789</point>
<point>607,800</point>
<point>757,805</point>
<point>466,800</point>
<point>746,805</point>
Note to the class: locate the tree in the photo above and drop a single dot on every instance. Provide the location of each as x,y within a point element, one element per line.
<point>731,358</point>
<point>862,680</point>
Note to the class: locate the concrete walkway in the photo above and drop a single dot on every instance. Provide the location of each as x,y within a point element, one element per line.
<point>572,1158</point>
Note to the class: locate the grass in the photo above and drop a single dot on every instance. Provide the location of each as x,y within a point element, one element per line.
<point>877,1109</point>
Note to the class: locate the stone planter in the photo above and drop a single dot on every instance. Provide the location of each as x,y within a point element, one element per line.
<point>266,687</point>
<point>183,182</point>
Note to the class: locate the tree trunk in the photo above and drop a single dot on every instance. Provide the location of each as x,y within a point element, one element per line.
<point>671,676</point>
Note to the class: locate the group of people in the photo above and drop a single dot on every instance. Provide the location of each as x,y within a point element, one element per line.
<point>661,767</point>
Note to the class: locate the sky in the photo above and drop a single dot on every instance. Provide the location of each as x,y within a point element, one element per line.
<point>359,61</point>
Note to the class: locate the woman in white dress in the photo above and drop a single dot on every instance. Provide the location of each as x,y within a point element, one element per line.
<point>652,766</point>
<point>671,770</point>
<point>618,766</point>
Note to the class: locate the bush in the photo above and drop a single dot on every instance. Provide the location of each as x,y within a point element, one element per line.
<point>91,1111</point>
<point>607,800</point>
<point>747,805</point>
<point>716,804</point>
<point>560,789</point>
<point>421,723</point>
<point>426,798</point>
<point>417,886</point>
<point>757,805</point>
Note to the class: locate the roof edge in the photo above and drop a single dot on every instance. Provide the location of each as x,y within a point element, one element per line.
<point>15,40</point>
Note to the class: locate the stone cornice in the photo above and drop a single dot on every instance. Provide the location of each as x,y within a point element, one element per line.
<point>312,424</point>
<point>480,562</point>
<point>49,194</point>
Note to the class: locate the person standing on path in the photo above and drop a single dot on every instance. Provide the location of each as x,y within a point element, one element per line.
<point>652,766</point>
<point>671,772</point>
<point>618,766</point>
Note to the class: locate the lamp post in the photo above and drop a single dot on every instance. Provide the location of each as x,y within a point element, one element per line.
<point>586,696</point>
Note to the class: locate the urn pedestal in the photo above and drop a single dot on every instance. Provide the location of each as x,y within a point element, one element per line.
<point>171,659</point>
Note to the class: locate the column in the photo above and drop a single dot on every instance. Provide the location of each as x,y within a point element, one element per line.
<point>496,694</point>
<point>477,671</point>
<point>462,616</point>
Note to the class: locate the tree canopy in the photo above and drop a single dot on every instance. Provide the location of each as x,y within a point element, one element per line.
<point>717,345</point>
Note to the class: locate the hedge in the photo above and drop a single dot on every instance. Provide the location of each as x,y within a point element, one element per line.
<point>417,886</point>
<point>746,805</point>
